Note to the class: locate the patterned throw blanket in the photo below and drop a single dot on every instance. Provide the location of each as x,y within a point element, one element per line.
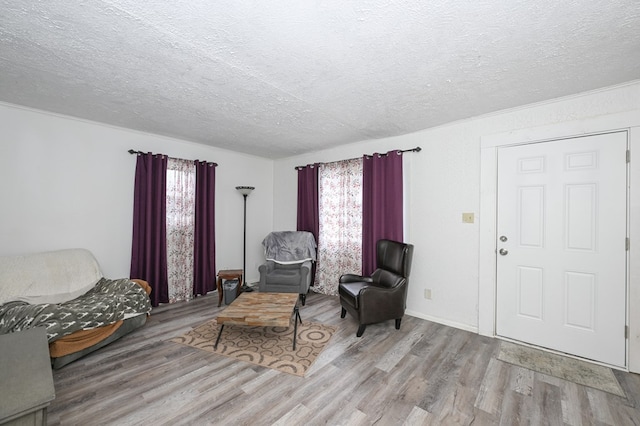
<point>104,304</point>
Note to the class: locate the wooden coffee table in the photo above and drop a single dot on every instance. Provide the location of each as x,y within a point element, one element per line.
<point>261,309</point>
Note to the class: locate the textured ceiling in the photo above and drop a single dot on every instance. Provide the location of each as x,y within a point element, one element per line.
<point>281,78</point>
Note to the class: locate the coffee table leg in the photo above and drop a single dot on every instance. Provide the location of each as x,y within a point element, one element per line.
<point>295,325</point>
<point>220,334</point>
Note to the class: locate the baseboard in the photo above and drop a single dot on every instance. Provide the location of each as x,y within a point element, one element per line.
<point>466,327</point>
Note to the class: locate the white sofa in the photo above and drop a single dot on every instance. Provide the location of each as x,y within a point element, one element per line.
<point>65,292</point>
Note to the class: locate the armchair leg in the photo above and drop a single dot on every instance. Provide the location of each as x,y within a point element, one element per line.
<point>360,330</point>
<point>343,313</point>
<point>398,323</point>
<point>303,298</point>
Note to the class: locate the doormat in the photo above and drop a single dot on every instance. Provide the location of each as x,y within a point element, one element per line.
<point>270,347</point>
<point>573,370</point>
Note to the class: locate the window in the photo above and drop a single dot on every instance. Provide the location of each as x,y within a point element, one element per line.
<point>181,188</point>
<point>340,212</point>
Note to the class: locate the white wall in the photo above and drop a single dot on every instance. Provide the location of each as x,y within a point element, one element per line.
<point>444,182</point>
<point>69,183</point>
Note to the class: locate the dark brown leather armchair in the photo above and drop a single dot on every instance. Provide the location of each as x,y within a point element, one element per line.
<point>383,295</point>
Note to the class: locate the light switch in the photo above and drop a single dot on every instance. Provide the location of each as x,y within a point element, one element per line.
<point>467,217</point>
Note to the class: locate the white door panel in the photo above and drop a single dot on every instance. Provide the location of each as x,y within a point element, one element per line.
<point>561,281</point>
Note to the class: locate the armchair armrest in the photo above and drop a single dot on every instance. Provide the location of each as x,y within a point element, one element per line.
<point>382,302</point>
<point>353,278</point>
<point>264,269</point>
<point>305,271</point>
<point>267,266</point>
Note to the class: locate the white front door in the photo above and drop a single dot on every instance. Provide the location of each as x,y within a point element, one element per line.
<point>561,263</point>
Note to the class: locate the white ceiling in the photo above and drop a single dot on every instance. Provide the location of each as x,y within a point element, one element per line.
<point>281,78</point>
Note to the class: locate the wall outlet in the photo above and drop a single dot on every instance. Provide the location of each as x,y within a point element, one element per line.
<point>427,293</point>
<point>467,217</point>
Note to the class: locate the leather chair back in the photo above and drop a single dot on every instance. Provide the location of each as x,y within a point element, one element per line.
<point>395,257</point>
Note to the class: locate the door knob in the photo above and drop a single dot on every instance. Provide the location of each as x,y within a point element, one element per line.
<point>503,238</point>
<point>503,252</point>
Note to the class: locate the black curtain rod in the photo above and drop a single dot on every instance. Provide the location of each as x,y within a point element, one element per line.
<point>133,151</point>
<point>416,149</point>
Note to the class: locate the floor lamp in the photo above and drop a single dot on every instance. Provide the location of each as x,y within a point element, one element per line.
<point>245,190</point>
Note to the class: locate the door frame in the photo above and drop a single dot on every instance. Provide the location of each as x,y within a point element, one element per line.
<point>629,122</point>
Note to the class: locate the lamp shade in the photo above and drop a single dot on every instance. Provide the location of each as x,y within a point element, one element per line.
<point>245,190</point>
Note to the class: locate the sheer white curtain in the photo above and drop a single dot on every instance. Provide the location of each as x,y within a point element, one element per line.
<point>181,189</point>
<point>340,235</point>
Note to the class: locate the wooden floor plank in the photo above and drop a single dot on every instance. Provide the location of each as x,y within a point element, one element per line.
<point>424,373</point>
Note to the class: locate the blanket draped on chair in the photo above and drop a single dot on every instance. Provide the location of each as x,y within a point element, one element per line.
<point>289,246</point>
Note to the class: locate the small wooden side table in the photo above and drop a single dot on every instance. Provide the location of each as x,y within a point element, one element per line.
<point>228,274</point>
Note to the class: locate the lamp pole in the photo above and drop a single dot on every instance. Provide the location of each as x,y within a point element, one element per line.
<point>245,191</point>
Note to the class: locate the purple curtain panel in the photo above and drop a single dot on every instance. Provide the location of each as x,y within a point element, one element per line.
<point>149,248</point>
<point>382,204</point>
<point>204,263</point>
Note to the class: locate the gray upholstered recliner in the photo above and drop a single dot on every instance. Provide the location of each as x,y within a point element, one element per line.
<point>289,258</point>
<point>383,295</point>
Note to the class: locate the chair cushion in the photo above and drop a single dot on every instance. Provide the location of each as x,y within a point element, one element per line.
<point>349,292</point>
<point>294,266</point>
<point>284,276</point>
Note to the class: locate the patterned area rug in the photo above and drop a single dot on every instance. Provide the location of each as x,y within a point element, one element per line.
<point>573,370</point>
<point>270,347</point>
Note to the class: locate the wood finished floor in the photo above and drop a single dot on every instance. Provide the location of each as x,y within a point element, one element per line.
<point>425,373</point>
